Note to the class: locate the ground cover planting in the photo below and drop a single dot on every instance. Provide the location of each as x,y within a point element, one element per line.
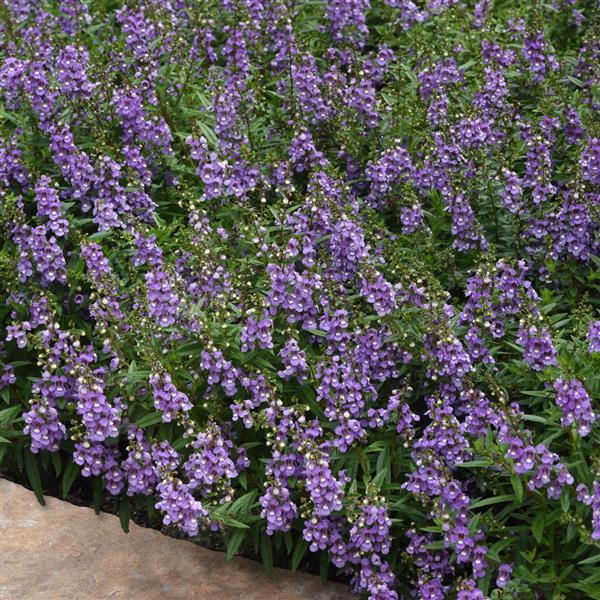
<point>320,277</point>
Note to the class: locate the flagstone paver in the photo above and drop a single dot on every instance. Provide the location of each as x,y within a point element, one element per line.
<point>62,551</point>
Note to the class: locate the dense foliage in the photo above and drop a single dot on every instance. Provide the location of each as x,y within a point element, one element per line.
<point>322,275</point>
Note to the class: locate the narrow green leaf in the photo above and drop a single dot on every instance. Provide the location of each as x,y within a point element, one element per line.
<point>151,419</point>
<point>289,542</point>
<point>493,500</point>
<point>125,513</point>
<point>69,476</point>
<point>266,553</point>
<point>234,543</point>
<point>33,474</point>
<point>97,493</point>
<point>243,503</point>
<point>56,463</point>
<point>517,486</point>
<point>299,552</point>
<point>591,560</point>
<point>324,566</point>
<point>537,526</point>
<point>8,415</point>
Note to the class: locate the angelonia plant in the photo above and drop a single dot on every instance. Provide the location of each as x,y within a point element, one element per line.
<point>320,275</point>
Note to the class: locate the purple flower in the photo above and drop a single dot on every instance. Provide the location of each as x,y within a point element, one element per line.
<point>575,404</point>
<point>538,350</point>
<point>167,398</point>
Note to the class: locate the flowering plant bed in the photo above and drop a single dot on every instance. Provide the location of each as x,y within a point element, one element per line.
<point>319,276</point>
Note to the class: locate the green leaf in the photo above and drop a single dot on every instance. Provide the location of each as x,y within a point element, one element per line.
<point>56,463</point>
<point>324,566</point>
<point>565,500</point>
<point>69,477</point>
<point>493,500</point>
<point>537,526</point>
<point>289,542</point>
<point>8,415</point>
<point>233,522</point>
<point>243,503</point>
<point>517,486</point>
<point>299,552</point>
<point>474,463</point>
<point>151,419</point>
<point>235,542</point>
<point>125,513</point>
<point>33,474</point>
<point>97,493</point>
<point>591,560</point>
<point>317,332</point>
<point>266,553</point>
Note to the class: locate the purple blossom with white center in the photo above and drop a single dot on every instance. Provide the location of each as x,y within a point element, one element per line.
<point>392,167</point>
<point>573,128</point>
<point>75,165</point>
<point>71,65</point>
<point>326,492</point>
<point>211,465</point>
<point>277,508</point>
<point>49,206</point>
<point>179,507</point>
<point>446,358</point>
<point>100,419</point>
<point>166,459</point>
<point>596,512</point>
<point>147,252</point>
<point>591,499</point>
<point>43,426</point>
<point>370,531</point>
<point>138,125</point>
<point>97,459</point>
<point>304,153</point>
<point>576,405</point>
<point>255,331</point>
<point>441,75</point>
<point>348,248</point>
<point>317,532</point>
<point>138,467</point>
<point>511,192</point>
<point>411,217</point>
<point>503,577</point>
<point>593,337</point>
<point>220,371</point>
<point>294,362</point>
<point>363,99</point>
<point>90,457</point>
<point>8,376</point>
<point>163,302</point>
<point>538,349</point>
<point>468,590</point>
<point>347,17</point>
<point>167,398</point>
<point>380,293</point>
<point>466,230</point>
<point>43,252</point>
<point>18,333</point>
<point>535,52</point>
<point>590,162</point>
<point>307,87</point>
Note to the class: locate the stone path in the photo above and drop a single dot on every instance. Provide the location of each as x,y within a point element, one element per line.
<point>66,552</point>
